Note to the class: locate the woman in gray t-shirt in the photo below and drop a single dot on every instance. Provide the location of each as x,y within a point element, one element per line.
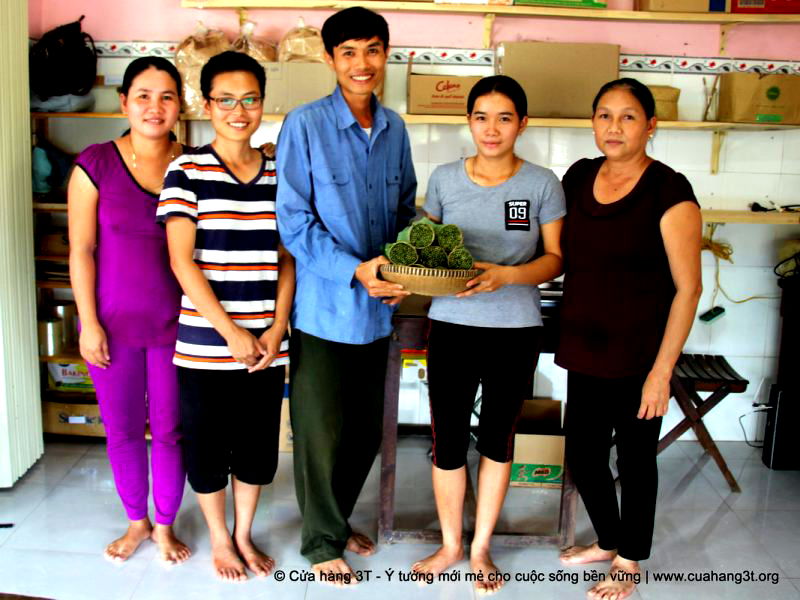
<point>489,334</point>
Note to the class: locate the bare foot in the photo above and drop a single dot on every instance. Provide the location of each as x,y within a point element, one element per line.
<point>620,583</point>
<point>490,582</point>
<point>121,549</point>
<point>227,564</point>
<point>582,555</point>
<point>360,544</point>
<point>172,550</point>
<point>334,572</point>
<point>438,562</point>
<point>258,562</point>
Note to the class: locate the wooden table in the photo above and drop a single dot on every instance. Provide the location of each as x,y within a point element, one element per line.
<point>410,332</point>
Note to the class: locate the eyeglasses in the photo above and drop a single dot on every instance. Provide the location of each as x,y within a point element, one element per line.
<point>228,103</point>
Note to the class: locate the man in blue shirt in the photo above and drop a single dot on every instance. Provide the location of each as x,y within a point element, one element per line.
<point>346,187</point>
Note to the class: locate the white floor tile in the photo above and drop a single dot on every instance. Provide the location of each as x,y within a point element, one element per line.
<point>195,580</point>
<point>696,531</point>
<point>17,503</point>
<point>68,575</point>
<point>778,531</point>
<point>765,489</point>
<point>51,468</point>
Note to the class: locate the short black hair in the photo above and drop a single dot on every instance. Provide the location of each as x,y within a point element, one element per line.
<point>637,89</point>
<point>141,64</point>
<point>501,84</point>
<point>228,62</point>
<point>356,23</point>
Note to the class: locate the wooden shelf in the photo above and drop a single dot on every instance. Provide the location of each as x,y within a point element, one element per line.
<point>70,355</point>
<point>77,115</point>
<point>455,120</point>
<point>746,216</point>
<point>53,258</point>
<point>54,285</point>
<point>505,11</point>
<point>50,206</point>
<point>565,123</point>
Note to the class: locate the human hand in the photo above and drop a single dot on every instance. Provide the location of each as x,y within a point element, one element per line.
<point>492,279</point>
<point>244,347</point>
<point>367,274</point>
<point>271,342</point>
<point>93,345</point>
<point>655,396</point>
<point>267,149</point>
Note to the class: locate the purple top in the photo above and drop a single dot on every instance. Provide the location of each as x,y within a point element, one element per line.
<point>138,298</point>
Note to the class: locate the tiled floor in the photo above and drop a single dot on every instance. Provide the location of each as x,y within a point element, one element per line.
<point>65,510</point>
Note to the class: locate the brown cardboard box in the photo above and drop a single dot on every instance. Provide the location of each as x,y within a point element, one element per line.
<point>72,419</point>
<point>754,98</point>
<point>438,94</point>
<point>285,437</point>
<point>292,84</point>
<point>666,101</point>
<point>538,445</point>
<point>54,244</point>
<point>691,6</point>
<point>538,461</point>
<point>560,80</point>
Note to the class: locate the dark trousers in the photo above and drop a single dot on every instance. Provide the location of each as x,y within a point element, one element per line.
<point>598,408</point>
<point>231,422</point>
<point>504,369</point>
<point>337,415</point>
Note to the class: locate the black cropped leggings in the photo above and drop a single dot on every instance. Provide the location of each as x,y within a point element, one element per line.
<point>598,408</point>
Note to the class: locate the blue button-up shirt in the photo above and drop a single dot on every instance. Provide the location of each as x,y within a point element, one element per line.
<point>341,196</point>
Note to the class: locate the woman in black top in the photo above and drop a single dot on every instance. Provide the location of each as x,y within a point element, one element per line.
<point>631,245</point>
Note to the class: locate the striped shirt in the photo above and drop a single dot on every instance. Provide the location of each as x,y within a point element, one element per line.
<point>236,248</point>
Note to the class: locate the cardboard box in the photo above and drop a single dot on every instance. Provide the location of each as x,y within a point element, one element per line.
<point>690,6</point>
<point>538,461</point>
<point>72,419</point>
<point>285,436</point>
<point>569,3</point>
<point>292,84</point>
<point>538,445</point>
<point>438,94</point>
<point>766,6</point>
<point>754,98</point>
<point>666,98</point>
<point>493,2</point>
<point>69,377</point>
<point>560,80</point>
<point>54,244</point>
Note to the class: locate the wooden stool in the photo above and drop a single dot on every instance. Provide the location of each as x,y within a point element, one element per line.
<point>702,373</point>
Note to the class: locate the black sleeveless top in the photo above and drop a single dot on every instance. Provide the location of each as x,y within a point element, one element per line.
<point>617,284</point>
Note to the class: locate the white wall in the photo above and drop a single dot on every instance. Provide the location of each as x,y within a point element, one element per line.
<point>760,166</point>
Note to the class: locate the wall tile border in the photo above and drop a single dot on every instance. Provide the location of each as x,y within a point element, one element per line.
<point>629,63</point>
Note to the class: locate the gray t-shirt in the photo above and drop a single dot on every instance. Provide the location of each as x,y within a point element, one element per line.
<point>501,226</point>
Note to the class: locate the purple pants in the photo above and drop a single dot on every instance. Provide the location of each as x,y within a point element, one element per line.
<point>142,382</point>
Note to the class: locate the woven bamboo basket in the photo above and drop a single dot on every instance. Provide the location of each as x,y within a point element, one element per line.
<point>429,282</point>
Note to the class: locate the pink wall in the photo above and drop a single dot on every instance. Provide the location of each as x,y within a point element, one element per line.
<point>165,20</point>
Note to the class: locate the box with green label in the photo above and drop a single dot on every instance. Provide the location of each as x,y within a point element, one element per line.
<point>538,445</point>
<point>755,98</point>
<point>569,3</point>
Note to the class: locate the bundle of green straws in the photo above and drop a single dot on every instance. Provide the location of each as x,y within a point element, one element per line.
<point>430,245</point>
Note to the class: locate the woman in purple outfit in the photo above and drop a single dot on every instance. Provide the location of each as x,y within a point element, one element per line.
<point>128,302</point>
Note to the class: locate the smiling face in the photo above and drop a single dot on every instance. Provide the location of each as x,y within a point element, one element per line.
<point>359,66</point>
<point>621,128</point>
<point>495,125</point>
<point>152,103</point>
<point>240,123</point>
